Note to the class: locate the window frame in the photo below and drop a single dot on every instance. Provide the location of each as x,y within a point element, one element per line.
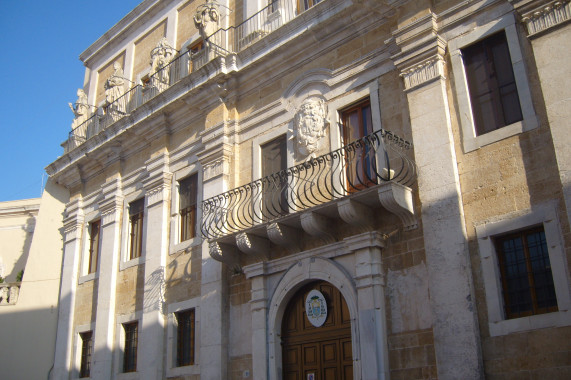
<point>84,274</point>
<point>126,261</point>
<point>176,245</point>
<point>127,347</point>
<point>136,221</point>
<point>470,140</point>
<point>181,359</point>
<point>77,349</point>
<point>90,249</point>
<point>84,355</point>
<point>172,338</point>
<point>191,209</point>
<point>545,215</point>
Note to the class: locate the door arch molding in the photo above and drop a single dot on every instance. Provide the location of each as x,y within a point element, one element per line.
<point>299,274</point>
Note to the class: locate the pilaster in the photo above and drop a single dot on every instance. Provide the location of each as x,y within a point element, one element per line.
<point>456,335</point>
<point>111,207</point>
<point>73,227</point>
<point>547,24</point>
<point>215,161</point>
<point>157,206</point>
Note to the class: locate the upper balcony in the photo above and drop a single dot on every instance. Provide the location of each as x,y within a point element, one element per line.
<point>220,43</point>
<point>356,184</point>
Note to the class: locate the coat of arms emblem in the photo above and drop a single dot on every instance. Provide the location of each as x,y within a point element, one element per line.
<point>316,308</point>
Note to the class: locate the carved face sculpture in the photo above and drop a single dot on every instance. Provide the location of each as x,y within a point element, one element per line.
<point>310,123</point>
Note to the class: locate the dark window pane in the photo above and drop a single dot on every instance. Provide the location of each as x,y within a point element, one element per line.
<point>185,338</point>
<point>491,83</point>
<point>136,215</point>
<point>526,273</point>
<point>131,343</point>
<point>188,200</point>
<point>94,232</point>
<point>86,350</point>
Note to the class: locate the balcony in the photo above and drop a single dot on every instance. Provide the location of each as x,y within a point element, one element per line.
<point>355,184</point>
<point>220,44</point>
<point>9,293</point>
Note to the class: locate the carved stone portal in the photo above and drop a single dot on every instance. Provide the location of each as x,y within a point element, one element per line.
<point>310,123</point>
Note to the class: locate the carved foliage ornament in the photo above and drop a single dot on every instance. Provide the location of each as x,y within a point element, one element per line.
<point>310,123</point>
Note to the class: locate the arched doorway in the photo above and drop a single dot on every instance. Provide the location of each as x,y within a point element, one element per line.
<point>317,353</point>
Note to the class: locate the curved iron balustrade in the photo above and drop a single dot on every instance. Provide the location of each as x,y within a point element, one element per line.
<point>376,158</point>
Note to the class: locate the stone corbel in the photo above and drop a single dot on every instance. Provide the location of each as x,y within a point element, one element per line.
<point>317,225</point>
<point>226,254</point>
<point>253,245</point>
<point>397,199</point>
<point>541,15</point>
<point>280,234</point>
<point>355,213</point>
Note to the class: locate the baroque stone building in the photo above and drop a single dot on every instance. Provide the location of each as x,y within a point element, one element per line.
<point>334,189</point>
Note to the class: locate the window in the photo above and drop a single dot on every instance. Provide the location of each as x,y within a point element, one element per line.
<point>131,342</point>
<point>136,215</point>
<point>303,5</point>
<point>187,207</point>
<point>86,350</point>
<point>185,338</point>
<point>491,83</point>
<point>94,240</point>
<point>523,263</point>
<point>357,123</point>
<point>274,186</point>
<point>526,276</point>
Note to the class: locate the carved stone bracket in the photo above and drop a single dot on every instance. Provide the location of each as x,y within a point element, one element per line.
<point>540,15</point>
<point>317,225</point>
<point>397,199</point>
<point>226,254</point>
<point>355,213</point>
<point>253,245</point>
<point>281,234</point>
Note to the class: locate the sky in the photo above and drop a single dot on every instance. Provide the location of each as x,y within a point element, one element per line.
<point>40,72</point>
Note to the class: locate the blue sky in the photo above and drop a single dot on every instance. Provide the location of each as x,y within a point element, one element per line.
<point>40,72</point>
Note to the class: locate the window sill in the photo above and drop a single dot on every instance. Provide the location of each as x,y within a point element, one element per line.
<point>534,322</point>
<point>185,245</point>
<point>472,143</point>
<point>184,371</point>
<point>128,376</point>
<point>131,263</point>
<point>88,277</point>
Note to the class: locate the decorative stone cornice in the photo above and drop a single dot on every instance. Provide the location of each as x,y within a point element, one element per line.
<point>72,230</point>
<point>424,72</point>
<point>73,222</point>
<point>218,167</point>
<point>419,51</point>
<point>541,15</point>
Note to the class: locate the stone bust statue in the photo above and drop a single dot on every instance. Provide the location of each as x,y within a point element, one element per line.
<point>80,109</point>
<point>206,19</point>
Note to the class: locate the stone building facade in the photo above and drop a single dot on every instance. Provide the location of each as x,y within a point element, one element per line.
<point>334,189</point>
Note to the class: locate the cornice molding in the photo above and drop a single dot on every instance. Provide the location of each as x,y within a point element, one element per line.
<point>541,15</point>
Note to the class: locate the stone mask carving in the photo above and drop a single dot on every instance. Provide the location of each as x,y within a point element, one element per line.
<point>310,122</point>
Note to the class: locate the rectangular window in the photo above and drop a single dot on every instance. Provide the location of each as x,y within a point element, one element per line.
<point>94,238</point>
<point>526,276</point>
<point>131,342</point>
<point>136,215</point>
<point>303,5</point>
<point>491,83</point>
<point>187,207</point>
<point>185,338</point>
<point>274,185</point>
<point>86,350</point>
<point>357,123</point>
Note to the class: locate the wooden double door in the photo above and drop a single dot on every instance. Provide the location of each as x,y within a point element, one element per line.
<point>317,353</point>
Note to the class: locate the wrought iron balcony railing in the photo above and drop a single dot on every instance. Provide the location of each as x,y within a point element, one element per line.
<point>220,43</point>
<point>364,163</point>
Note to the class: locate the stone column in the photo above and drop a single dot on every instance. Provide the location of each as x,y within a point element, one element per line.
<point>551,44</point>
<point>455,325</point>
<point>73,227</point>
<point>214,288</point>
<point>151,350</point>
<point>374,360</point>
<point>104,336</point>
